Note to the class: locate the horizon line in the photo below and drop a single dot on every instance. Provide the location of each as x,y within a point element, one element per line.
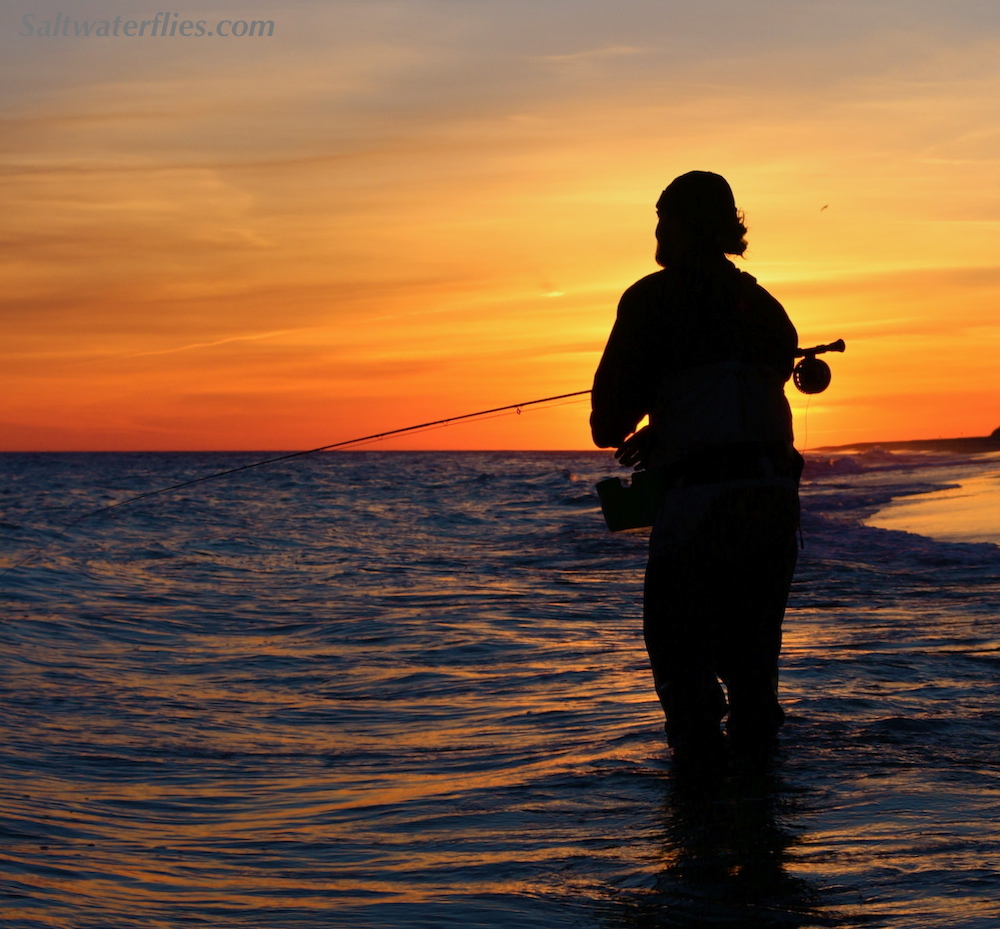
<point>993,439</point>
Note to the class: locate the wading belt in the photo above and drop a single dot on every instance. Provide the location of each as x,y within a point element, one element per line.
<point>736,462</point>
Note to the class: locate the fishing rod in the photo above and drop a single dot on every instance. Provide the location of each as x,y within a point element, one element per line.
<point>267,461</point>
<point>810,376</point>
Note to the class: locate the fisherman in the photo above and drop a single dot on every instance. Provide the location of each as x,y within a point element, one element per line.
<point>704,351</point>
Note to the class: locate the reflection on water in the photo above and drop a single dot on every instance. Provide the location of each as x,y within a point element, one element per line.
<point>410,692</point>
<point>724,859</point>
<point>969,512</point>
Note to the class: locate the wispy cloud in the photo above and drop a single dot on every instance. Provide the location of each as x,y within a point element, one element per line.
<point>384,199</point>
<point>199,345</point>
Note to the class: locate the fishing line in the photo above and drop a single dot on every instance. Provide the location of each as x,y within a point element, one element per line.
<point>416,430</point>
<point>805,424</point>
<point>437,423</point>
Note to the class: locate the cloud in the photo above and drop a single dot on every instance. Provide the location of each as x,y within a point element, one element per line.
<point>374,199</point>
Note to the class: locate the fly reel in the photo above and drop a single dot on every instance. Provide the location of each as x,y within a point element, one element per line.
<point>811,375</point>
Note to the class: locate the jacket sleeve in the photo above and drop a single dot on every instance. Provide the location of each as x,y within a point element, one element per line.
<point>619,397</point>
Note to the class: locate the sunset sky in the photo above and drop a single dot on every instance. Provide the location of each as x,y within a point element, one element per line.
<point>392,212</point>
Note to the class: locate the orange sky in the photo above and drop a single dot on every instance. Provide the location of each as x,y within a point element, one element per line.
<point>391,212</point>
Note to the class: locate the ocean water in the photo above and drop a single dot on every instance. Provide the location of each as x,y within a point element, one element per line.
<point>389,690</point>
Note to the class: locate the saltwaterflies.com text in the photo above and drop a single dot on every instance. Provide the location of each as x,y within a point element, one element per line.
<point>162,25</point>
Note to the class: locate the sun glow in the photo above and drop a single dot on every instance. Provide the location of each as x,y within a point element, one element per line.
<point>364,223</point>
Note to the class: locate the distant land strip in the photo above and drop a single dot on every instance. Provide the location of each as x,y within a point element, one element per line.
<point>965,445</point>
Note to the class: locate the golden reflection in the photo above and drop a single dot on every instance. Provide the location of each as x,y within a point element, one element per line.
<point>723,859</point>
<point>969,512</point>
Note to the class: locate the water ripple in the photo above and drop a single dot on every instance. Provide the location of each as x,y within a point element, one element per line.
<point>404,690</point>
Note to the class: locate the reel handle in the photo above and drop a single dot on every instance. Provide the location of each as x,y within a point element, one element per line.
<point>837,346</point>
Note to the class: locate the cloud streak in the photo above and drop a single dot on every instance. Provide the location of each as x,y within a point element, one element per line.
<point>375,203</point>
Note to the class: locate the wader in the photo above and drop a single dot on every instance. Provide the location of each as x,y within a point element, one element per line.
<point>721,556</point>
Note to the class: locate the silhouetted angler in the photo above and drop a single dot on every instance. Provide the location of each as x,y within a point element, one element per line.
<point>705,351</point>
